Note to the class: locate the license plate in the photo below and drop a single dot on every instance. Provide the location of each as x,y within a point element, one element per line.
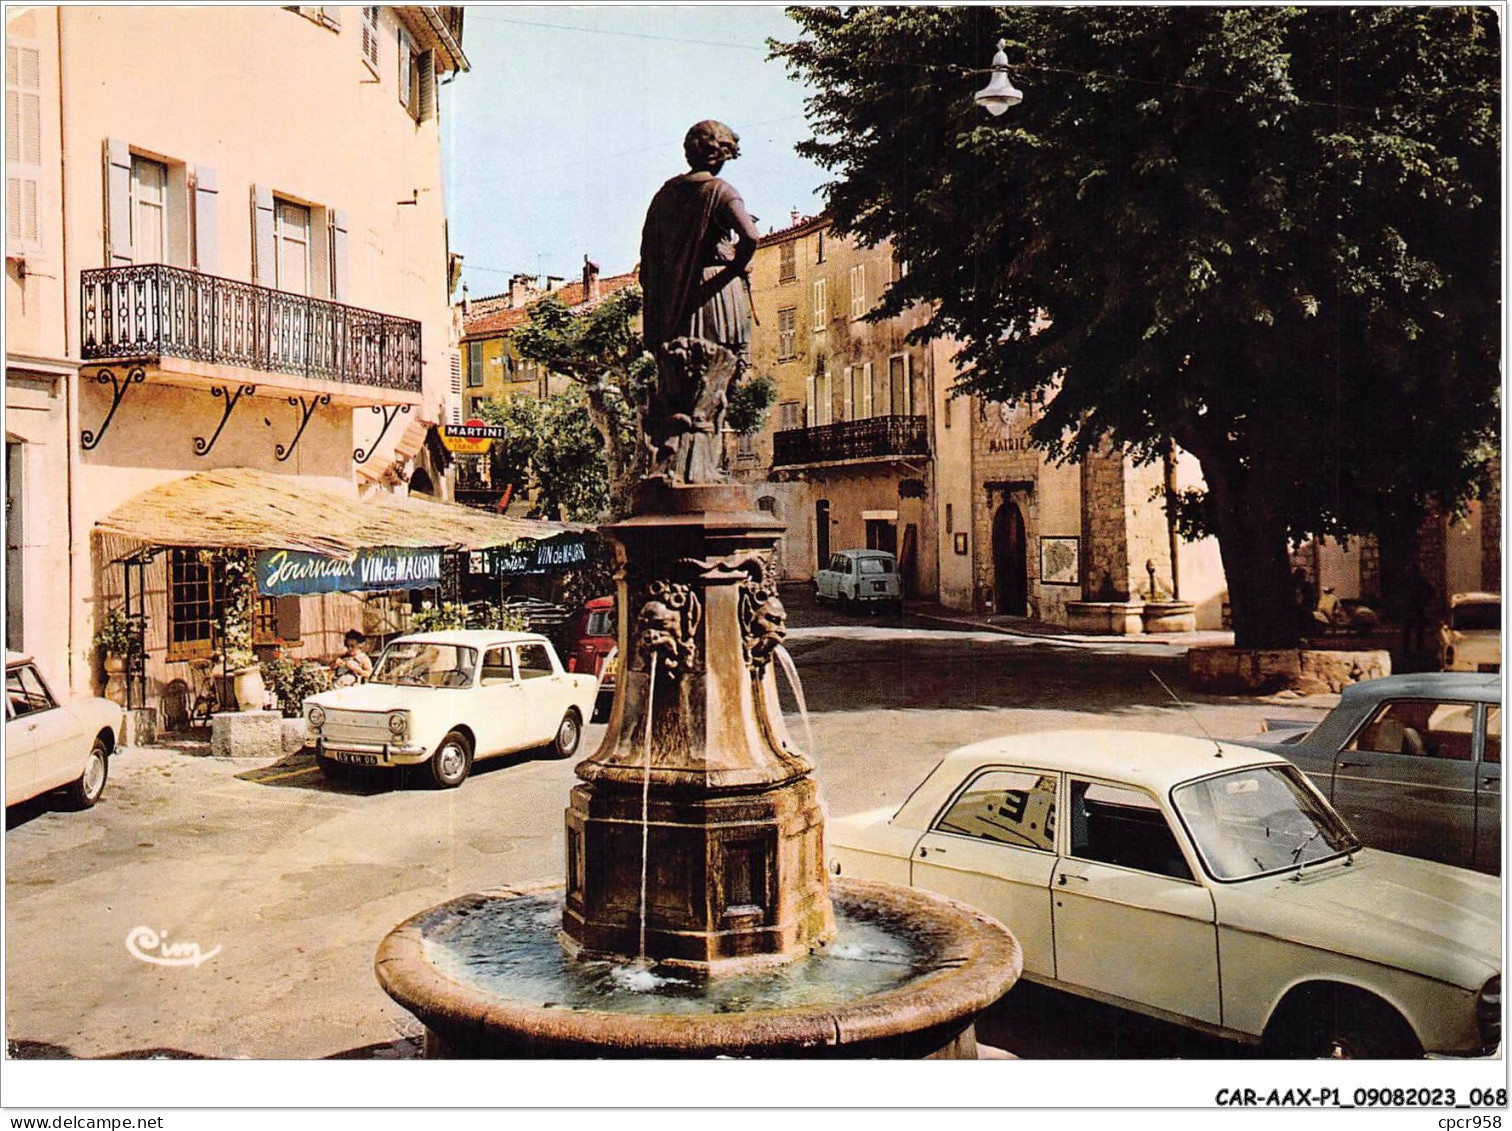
<point>355,759</point>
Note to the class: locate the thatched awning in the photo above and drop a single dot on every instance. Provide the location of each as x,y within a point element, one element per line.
<point>240,508</point>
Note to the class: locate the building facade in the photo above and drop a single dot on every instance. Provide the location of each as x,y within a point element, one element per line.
<point>492,367</point>
<point>869,446</point>
<point>229,253</point>
<point>846,454</point>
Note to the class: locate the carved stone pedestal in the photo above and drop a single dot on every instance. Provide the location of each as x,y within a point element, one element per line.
<point>732,821</point>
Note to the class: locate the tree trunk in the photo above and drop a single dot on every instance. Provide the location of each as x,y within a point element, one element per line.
<point>622,464</point>
<point>1252,543</point>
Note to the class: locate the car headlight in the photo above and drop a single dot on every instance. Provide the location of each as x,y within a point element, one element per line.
<point>315,717</point>
<point>398,723</point>
<point>1488,1012</point>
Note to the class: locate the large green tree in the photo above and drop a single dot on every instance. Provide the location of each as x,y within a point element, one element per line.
<point>1269,235</point>
<point>553,455</point>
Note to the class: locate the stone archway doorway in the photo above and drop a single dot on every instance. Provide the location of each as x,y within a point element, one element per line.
<point>1010,562</point>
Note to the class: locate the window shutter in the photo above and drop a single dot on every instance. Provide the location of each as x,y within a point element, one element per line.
<point>866,389</point>
<point>23,148</point>
<point>117,202</point>
<point>427,109</point>
<point>370,37</point>
<point>341,272</point>
<point>263,250</point>
<point>811,415</point>
<point>850,392</point>
<point>206,198</point>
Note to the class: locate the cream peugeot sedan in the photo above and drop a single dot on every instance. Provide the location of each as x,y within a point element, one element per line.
<point>444,699</point>
<point>1199,882</point>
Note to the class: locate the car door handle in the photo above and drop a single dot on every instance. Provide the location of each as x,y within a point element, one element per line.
<point>1345,764</point>
<point>1064,876</point>
<point>1490,783</point>
<point>923,852</point>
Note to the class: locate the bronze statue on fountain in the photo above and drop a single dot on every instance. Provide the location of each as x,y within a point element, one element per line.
<point>697,242</point>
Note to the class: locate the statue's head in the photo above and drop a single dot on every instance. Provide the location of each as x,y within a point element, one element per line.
<point>710,144</point>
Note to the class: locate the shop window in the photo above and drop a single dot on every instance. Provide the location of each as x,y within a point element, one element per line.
<point>195,604</point>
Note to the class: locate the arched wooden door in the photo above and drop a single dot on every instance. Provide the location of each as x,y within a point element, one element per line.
<point>1010,562</point>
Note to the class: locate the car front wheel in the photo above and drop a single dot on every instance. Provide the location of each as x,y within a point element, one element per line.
<point>452,761</point>
<point>1342,1024</point>
<point>83,793</point>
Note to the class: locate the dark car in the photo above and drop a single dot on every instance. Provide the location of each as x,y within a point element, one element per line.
<point>1413,762</point>
<point>593,649</point>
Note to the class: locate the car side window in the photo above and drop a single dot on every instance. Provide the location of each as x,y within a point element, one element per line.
<point>1422,728</point>
<point>534,662</point>
<point>26,691</point>
<point>498,667</point>
<point>1125,827</point>
<point>1006,807</point>
<point>1492,752</point>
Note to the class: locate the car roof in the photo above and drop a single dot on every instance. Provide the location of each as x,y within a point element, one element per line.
<point>471,637</point>
<point>865,553</point>
<point>1482,687</point>
<point>1475,599</point>
<point>1141,758</point>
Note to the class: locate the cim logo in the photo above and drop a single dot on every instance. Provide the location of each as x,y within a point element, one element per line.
<point>147,945</point>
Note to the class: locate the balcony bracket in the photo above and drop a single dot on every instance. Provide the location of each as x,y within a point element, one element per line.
<point>91,439</point>
<point>201,445</point>
<point>307,409</point>
<point>362,455</point>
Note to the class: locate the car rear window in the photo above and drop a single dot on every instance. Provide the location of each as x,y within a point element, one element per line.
<point>875,565</point>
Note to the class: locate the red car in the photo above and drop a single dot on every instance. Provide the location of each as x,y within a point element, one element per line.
<point>593,635</point>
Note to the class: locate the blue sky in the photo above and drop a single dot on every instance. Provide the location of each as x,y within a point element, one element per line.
<point>572,117</point>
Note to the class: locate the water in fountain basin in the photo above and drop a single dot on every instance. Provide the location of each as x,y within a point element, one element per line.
<point>790,670</point>
<point>508,946</point>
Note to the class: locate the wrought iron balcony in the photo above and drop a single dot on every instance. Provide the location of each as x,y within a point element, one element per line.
<point>878,437</point>
<point>156,311</point>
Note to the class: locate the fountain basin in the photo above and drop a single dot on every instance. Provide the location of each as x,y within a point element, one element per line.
<point>905,976</point>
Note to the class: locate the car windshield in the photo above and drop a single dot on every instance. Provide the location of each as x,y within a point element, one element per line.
<point>1476,616</point>
<point>419,664</point>
<point>600,623</point>
<point>1259,820</point>
<point>875,565</point>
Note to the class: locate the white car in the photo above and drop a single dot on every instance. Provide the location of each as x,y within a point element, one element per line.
<point>445,699</point>
<point>860,577</point>
<point>1202,883</point>
<point>1470,640</point>
<point>52,743</point>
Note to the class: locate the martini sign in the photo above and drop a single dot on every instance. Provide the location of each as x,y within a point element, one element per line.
<point>473,438</point>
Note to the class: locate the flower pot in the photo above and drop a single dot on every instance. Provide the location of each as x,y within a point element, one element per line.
<point>251,693</point>
<point>115,678</point>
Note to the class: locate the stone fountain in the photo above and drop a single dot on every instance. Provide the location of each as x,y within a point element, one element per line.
<point>697,918</point>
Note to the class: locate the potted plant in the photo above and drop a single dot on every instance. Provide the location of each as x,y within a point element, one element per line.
<point>116,640</point>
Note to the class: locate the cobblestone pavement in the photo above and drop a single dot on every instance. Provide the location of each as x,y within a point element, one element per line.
<point>292,881</point>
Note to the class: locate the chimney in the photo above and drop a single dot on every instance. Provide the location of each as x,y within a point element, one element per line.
<point>521,289</point>
<point>590,280</point>
<point>796,217</point>
<point>555,282</point>
<point>466,302</point>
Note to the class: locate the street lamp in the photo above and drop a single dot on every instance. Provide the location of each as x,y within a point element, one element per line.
<point>999,93</point>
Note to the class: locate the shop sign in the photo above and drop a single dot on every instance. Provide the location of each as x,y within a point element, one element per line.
<point>473,438</point>
<point>282,573</point>
<point>527,556</point>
